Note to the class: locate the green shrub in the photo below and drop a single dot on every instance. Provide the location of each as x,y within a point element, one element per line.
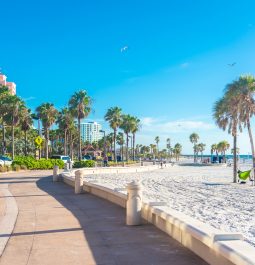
<point>87,163</point>
<point>23,167</point>
<point>16,167</point>
<point>3,169</point>
<point>32,163</point>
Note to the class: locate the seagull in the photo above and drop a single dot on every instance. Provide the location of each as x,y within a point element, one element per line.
<point>123,48</point>
<point>231,64</point>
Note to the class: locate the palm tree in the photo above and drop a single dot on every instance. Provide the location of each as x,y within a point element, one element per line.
<point>157,142</point>
<point>48,114</point>
<point>114,117</point>
<point>201,148</point>
<point>168,145</point>
<point>177,151</point>
<point>223,146</point>
<point>226,116</point>
<point>243,92</point>
<point>26,122</point>
<point>126,126</point>
<point>120,141</point>
<point>110,140</point>
<point>136,124</point>
<point>194,137</point>
<point>65,120</point>
<point>80,107</point>
<point>4,91</point>
<point>14,105</point>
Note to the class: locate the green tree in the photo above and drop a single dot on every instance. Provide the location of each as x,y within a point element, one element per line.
<point>114,117</point>
<point>136,125</point>
<point>126,126</point>
<point>26,123</point>
<point>242,92</point>
<point>157,142</point>
<point>120,142</point>
<point>65,120</point>
<point>226,116</point>
<point>201,148</point>
<point>48,114</point>
<point>80,107</point>
<point>177,151</point>
<point>14,106</point>
<point>194,137</point>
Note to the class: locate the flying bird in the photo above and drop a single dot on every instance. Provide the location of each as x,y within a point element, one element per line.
<point>231,64</point>
<point>123,49</point>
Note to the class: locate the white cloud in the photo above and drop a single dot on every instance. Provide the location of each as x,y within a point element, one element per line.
<point>29,98</point>
<point>162,126</point>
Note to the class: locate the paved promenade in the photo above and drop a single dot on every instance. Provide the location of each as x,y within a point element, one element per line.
<point>55,227</point>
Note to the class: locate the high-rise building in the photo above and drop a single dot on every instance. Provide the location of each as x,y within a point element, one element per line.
<point>11,85</point>
<point>90,132</point>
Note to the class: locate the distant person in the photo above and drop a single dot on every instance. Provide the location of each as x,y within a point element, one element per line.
<point>105,161</point>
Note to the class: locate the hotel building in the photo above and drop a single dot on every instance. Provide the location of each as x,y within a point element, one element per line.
<point>11,85</point>
<point>90,132</point>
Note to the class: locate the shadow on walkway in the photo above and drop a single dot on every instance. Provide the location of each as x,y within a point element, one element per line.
<point>109,239</point>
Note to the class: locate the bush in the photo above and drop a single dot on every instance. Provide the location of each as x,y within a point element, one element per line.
<point>87,163</point>
<point>23,167</point>
<point>16,167</point>
<point>31,163</point>
<point>3,168</point>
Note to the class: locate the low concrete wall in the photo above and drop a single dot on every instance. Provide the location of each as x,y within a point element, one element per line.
<point>117,170</point>
<point>213,245</point>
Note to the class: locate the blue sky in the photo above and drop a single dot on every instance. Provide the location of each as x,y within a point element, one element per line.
<point>175,68</point>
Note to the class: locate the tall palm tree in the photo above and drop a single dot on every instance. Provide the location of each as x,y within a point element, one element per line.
<point>223,146</point>
<point>65,120</point>
<point>136,124</point>
<point>177,151</point>
<point>201,148</point>
<point>26,122</point>
<point>126,126</point>
<point>80,107</point>
<point>114,117</point>
<point>120,142</point>
<point>157,142</point>
<point>110,140</point>
<point>226,116</point>
<point>4,91</point>
<point>48,114</point>
<point>194,137</point>
<point>14,105</point>
<point>243,92</point>
<point>168,145</point>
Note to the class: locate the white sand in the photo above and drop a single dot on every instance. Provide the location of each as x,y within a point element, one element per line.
<point>205,193</point>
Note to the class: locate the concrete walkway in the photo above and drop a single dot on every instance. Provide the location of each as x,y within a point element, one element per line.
<point>54,226</point>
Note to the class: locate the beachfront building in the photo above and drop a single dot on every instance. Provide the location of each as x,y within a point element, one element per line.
<point>11,85</point>
<point>90,132</point>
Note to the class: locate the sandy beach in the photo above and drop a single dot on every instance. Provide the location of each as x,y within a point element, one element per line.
<point>205,193</point>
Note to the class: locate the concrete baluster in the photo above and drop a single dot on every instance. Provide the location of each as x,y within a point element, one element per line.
<point>78,182</point>
<point>134,204</point>
<point>55,173</point>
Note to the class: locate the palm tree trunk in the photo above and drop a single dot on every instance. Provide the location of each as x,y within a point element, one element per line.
<point>65,140</point>
<point>13,153</point>
<point>252,146</point>
<point>127,156</point>
<point>4,143</point>
<point>79,129</point>
<point>25,142</point>
<point>46,143</point>
<point>133,146</point>
<point>194,154</point>
<point>114,144</point>
<point>235,161</point>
